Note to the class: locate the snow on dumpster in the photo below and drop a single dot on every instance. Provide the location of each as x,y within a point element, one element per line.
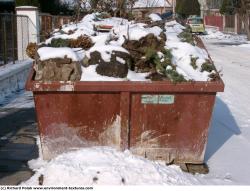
<point>147,89</point>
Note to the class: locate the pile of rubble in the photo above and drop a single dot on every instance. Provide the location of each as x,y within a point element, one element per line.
<point>148,54</point>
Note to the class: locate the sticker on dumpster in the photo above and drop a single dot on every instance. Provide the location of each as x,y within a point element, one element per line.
<point>166,99</point>
<point>149,99</point>
<point>157,99</point>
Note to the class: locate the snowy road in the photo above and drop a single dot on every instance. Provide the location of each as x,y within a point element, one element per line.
<point>228,148</point>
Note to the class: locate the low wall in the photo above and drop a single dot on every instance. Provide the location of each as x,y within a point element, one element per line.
<point>13,77</point>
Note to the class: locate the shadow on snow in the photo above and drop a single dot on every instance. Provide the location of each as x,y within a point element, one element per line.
<point>223,127</point>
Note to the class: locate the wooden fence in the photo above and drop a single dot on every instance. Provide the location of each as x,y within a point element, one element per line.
<point>48,23</point>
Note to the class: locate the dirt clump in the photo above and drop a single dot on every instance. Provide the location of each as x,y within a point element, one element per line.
<point>141,51</point>
<point>82,41</point>
<point>95,58</point>
<point>157,77</point>
<point>31,50</point>
<point>117,67</point>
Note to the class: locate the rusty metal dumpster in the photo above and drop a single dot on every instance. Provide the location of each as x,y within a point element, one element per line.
<point>156,120</point>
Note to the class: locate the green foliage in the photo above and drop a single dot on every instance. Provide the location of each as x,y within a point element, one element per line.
<point>167,55</point>
<point>54,7</point>
<point>59,43</point>
<point>174,76</point>
<point>27,3</point>
<point>150,54</point>
<point>187,7</point>
<point>229,7</point>
<point>167,61</point>
<point>193,62</point>
<point>207,66</point>
<point>153,58</point>
<point>130,16</point>
<point>161,66</point>
<point>188,29</point>
<point>186,36</point>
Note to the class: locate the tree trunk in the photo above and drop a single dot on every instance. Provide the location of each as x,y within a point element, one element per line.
<point>78,11</point>
<point>121,7</point>
<point>246,16</point>
<point>245,19</point>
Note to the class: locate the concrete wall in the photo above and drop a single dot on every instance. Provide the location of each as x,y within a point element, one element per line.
<point>27,27</point>
<point>13,78</point>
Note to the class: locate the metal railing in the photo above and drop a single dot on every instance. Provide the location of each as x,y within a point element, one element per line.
<point>10,41</point>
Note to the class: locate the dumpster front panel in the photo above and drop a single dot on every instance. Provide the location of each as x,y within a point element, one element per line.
<point>71,120</point>
<point>171,127</point>
<point>157,120</point>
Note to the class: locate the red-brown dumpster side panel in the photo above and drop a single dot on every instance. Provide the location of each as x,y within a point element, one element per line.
<point>72,120</point>
<point>174,130</point>
<point>157,120</point>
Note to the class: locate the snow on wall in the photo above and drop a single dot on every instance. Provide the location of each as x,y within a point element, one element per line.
<point>13,77</point>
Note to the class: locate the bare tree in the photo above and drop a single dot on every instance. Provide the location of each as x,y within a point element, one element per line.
<point>121,7</point>
<point>93,4</point>
<point>130,4</point>
<point>79,6</point>
<point>244,11</point>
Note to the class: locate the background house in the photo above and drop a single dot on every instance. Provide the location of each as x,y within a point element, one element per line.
<point>227,23</point>
<point>143,8</point>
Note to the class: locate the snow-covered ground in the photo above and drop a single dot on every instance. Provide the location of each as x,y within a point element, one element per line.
<point>19,99</point>
<point>229,141</point>
<point>227,151</point>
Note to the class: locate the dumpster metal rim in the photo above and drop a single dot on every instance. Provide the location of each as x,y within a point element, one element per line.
<point>124,86</point>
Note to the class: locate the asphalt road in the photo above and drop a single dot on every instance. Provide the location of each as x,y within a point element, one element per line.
<point>18,132</point>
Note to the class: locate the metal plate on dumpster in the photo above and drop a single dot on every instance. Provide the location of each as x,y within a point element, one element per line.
<point>157,99</point>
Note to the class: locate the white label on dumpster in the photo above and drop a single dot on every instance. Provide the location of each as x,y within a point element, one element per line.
<point>166,99</point>
<point>157,99</point>
<point>149,99</point>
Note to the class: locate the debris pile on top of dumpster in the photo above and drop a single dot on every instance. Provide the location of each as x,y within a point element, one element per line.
<point>125,51</point>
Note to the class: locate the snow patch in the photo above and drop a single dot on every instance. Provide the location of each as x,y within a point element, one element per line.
<point>106,166</point>
<point>106,51</point>
<point>46,53</point>
<point>245,45</point>
<point>155,17</point>
<point>183,52</point>
<point>218,35</point>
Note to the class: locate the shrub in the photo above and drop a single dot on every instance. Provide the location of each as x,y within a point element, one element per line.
<point>207,66</point>
<point>82,41</point>
<point>186,36</point>
<point>193,62</point>
<point>59,42</point>
<point>174,76</point>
